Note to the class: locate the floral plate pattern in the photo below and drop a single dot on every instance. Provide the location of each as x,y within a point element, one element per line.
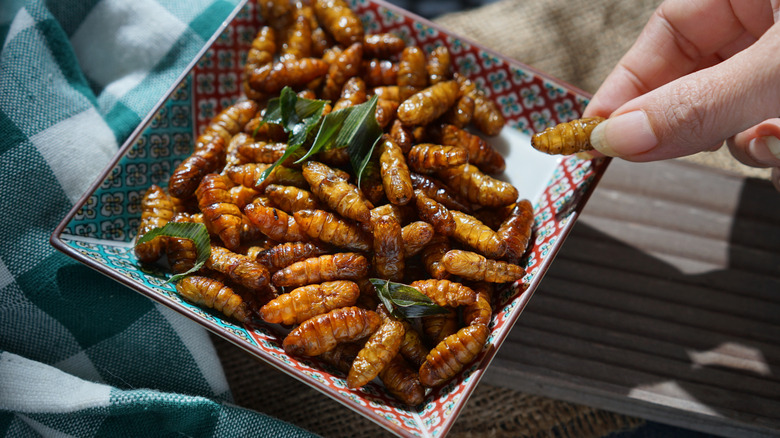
<point>100,229</point>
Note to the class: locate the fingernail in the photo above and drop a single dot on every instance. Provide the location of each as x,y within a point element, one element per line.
<point>765,150</point>
<point>625,135</point>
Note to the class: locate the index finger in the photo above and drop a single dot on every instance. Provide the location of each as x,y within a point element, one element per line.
<point>680,37</point>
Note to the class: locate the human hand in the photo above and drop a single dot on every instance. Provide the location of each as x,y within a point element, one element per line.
<point>701,72</point>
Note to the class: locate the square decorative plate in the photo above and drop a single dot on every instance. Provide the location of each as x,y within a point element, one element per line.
<point>100,229</point>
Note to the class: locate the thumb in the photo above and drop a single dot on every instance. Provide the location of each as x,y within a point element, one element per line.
<point>699,111</point>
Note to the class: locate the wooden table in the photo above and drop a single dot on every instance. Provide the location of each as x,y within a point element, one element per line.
<point>664,303</point>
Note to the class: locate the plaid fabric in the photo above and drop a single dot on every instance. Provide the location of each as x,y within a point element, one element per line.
<point>81,355</point>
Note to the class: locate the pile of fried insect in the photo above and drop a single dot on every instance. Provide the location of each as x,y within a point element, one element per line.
<point>308,244</point>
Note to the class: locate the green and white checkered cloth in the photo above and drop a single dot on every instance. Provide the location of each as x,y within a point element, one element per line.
<point>81,355</point>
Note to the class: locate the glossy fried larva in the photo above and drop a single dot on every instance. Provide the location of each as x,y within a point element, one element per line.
<point>329,228</point>
<point>322,333</point>
<point>445,292</point>
<point>275,223</point>
<point>382,45</point>
<point>416,236</point>
<point>340,21</point>
<point>307,301</point>
<point>346,65</point>
<point>156,211</point>
<point>402,382</point>
<point>481,154</point>
<point>250,175</point>
<point>239,268</point>
<point>387,92</point>
<point>434,213</point>
<point>207,159</point>
<point>481,311</point>
<point>342,356</point>
<point>260,152</point>
<point>297,42</point>
<point>379,350</point>
<point>320,41</point>
<point>432,254</point>
<point>438,65</point>
<point>476,267</point>
<point>516,230</point>
<point>328,267</point>
<point>395,172</point>
<point>437,327</point>
<point>452,354</point>
<point>353,93</point>
<point>275,10</point>
<point>214,294</point>
<point>271,78</point>
<point>379,72</point>
<point>461,113</point>
<point>426,105</point>
<point>285,254</point>
<point>261,53</point>
<point>429,157</point>
<point>242,195</point>
<point>371,182</point>
<point>334,157</point>
<point>291,199</point>
<point>402,136</point>
<point>487,116</point>
<point>472,232</point>
<point>474,186</point>
<point>388,248</point>
<point>219,210</point>
<point>412,347</point>
<point>338,194</point>
<point>412,76</point>
<point>385,112</point>
<point>566,138</point>
<point>402,213</point>
<point>229,122</point>
<point>438,192</point>
<point>181,253</point>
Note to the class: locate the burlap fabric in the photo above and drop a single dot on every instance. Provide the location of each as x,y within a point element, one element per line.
<point>579,42</point>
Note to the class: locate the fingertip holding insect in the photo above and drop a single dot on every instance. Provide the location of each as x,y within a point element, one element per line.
<point>765,150</point>
<point>626,135</point>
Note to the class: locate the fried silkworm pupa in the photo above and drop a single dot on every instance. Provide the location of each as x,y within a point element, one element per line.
<point>472,232</point>
<point>371,182</point>
<point>387,92</point>
<point>238,268</point>
<point>445,292</point>
<point>242,195</point>
<point>379,72</point>
<point>219,210</point>
<point>476,267</point>
<point>346,65</point>
<point>426,105</point>
<point>250,175</point>
<point>429,157</point>
<point>395,173</point>
<point>487,117</point>
<point>340,21</point>
<point>342,356</point>
<point>213,294</point>
<point>307,301</point>
<point>434,213</point>
<point>182,254</point>
<point>275,223</point>
<point>379,350</point>
<point>329,228</point>
<point>271,78</point>
<point>566,138</point>
<point>412,346</point>
<point>452,354</point>
<point>328,267</point>
<point>353,93</point>
<point>388,247</point>
<point>205,160</point>
<point>432,254</point>
<point>438,192</point>
<point>516,230</point>
<point>480,152</point>
<point>402,213</point>
<point>474,186</point>
<point>481,311</point>
<point>415,236</point>
<point>402,382</point>
<point>437,327</point>
<point>402,136</point>
<point>291,199</point>
<point>385,112</point>
<point>156,211</point>
<point>285,254</point>
<point>229,122</point>
<point>461,113</point>
<point>297,42</point>
<point>275,10</point>
<point>412,76</point>
<point>261,53</point>
<point>320,41</point>
<point>322,333</point>
<point>382,45</point>
<point>337,193</point>
<point>262,152</point>
<point>438,65</point>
